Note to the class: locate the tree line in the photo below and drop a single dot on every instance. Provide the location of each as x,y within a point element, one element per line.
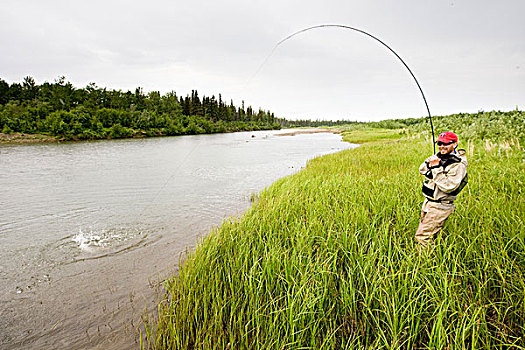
<point>62,110</point>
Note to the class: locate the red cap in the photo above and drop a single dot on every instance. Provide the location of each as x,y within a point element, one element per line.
<point>447,137</point>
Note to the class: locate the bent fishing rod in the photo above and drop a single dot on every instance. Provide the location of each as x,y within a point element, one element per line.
<point>369,35</point>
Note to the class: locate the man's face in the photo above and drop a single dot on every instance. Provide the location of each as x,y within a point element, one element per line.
<point>446,148</point>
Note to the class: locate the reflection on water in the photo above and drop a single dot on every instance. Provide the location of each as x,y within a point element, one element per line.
<point>89,230</point>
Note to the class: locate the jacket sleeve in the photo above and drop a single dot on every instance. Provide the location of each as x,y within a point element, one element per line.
<point>447,181</point>
<point>423,168</point>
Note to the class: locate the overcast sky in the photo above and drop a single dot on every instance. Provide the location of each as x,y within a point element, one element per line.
<point>468,55</point>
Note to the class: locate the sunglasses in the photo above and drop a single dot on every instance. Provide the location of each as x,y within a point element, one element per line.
<point>439,143</point>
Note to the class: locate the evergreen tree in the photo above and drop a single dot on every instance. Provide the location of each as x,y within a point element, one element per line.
<point>195,104</point>
<point>4,92</point>
<point>29,89</point>
<point>15,92</point>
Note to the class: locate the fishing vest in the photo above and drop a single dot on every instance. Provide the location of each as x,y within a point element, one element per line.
<point>429,189</point>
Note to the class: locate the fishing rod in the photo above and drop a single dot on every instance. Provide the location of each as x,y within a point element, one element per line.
<point>369,35</point>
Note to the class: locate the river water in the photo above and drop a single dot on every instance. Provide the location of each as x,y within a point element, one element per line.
<point>89,230</point>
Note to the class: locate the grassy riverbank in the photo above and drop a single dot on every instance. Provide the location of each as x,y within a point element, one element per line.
<point>325,259</point>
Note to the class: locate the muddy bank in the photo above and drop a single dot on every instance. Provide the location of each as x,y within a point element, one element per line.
<point>25,138</point>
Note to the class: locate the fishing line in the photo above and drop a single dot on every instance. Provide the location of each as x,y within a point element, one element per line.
<point>365,33</point>
<point>181,163</point>
<point>145,206</point>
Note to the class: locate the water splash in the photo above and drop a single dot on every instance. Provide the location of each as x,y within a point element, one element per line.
<point>91,240</point>
<point>100,243</point>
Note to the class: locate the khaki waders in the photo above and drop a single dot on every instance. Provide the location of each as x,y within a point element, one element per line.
<point>433,218</point>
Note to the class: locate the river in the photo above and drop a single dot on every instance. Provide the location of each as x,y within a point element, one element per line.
<point>89,230</point>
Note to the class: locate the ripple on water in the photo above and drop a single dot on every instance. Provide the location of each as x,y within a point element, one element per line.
<point>99,243</point>
<point>36,264</point>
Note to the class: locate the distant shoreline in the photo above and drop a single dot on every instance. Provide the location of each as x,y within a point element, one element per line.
<point>310,131</point>
<point>22,138</point>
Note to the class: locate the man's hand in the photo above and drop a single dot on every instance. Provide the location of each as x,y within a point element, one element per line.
<point>433,160</point>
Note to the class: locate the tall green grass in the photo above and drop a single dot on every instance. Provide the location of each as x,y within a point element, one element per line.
<point>366,135</point>
<point>326,259</point>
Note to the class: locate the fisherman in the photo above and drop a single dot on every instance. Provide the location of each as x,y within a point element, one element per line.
<point>445,176</point>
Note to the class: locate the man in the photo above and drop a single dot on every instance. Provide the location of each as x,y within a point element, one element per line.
<point>445,176</point>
